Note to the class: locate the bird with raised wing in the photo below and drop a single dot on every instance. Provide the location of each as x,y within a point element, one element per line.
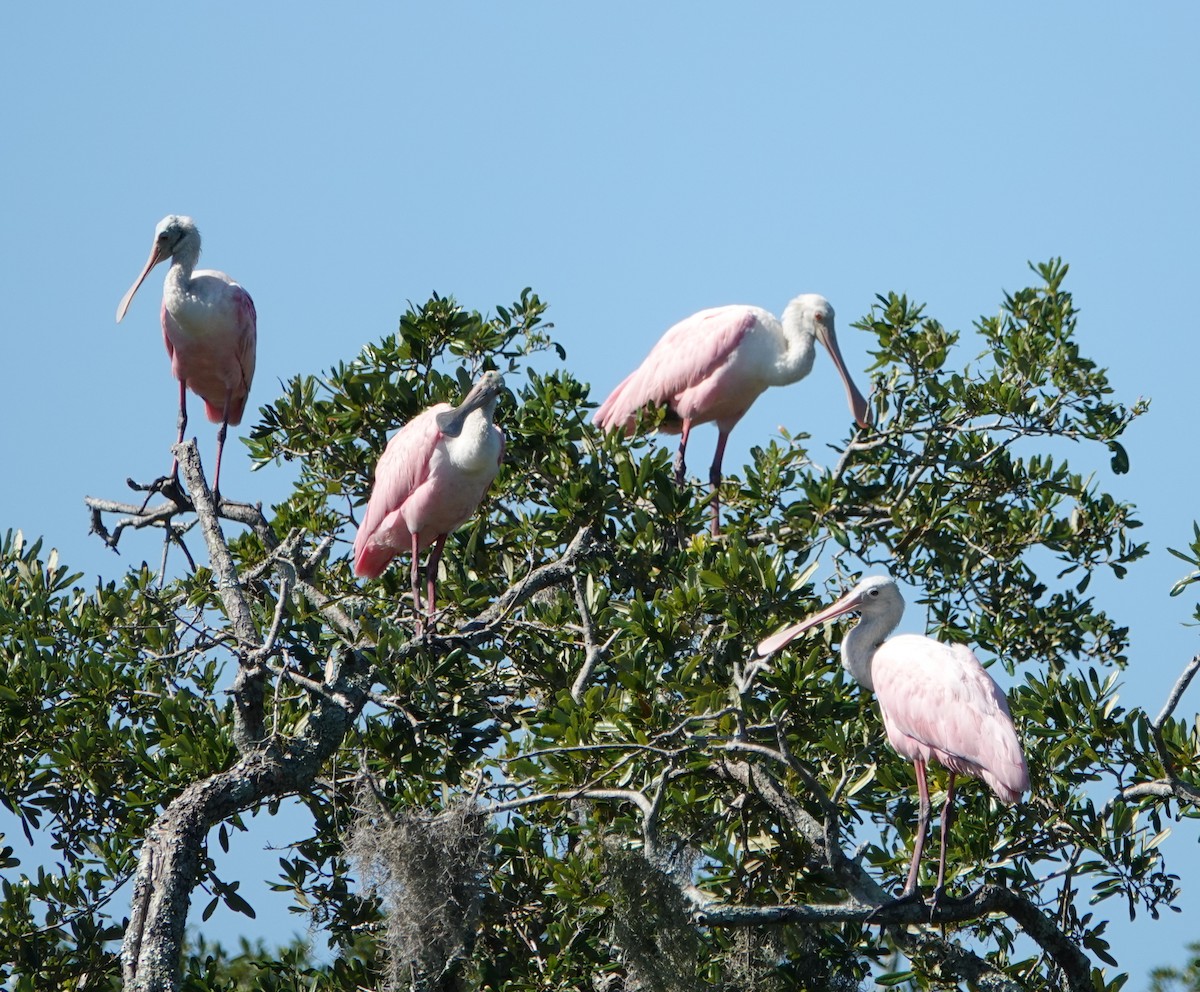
<point>714,364</point>
<point>936,699</point>
<point>210,329</point>
<point>429,481</point>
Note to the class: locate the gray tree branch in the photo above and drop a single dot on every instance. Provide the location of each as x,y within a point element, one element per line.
<point>171,858</point>
<point>867,896</point>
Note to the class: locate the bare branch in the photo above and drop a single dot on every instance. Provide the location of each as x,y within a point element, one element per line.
<point>623,795</point>
<point>175,503</point>
<point>1177,691</point>
<point>595,653</point>
<point>134,516</point>
<point>337,618</point>
<point>1162,788</point>
<point>268,644</point>
<point>543,577</point>
<point>1171,786</point>
<point>228,586</point>
<point>249,729</point>
<point>867,896</point>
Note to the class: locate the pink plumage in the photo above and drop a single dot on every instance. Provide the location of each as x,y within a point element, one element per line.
<point>712,366</point>
<point>937,701</point>
<point>210,329</point>
<point>215,362</point>
<point>429,481</point>
<point>696,371</point>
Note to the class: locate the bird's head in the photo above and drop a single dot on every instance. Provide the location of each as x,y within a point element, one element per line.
<point>877,594</point>
<point>172,233</point>
<point>483,396</point>
<point>814,313</point>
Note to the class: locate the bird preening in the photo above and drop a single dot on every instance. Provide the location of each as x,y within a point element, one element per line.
<point>429,482</point>
<point>713,365</point>
<point>209,327</point>
<point>937,701</point>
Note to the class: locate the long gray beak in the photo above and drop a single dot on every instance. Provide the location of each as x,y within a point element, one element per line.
<point>858,405</point>
<point>153,260</point>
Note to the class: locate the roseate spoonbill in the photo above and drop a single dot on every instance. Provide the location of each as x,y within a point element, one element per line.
<point>937,701</point>
<point>713,365</point>
<point>209,327</point>
<point>429,480</point>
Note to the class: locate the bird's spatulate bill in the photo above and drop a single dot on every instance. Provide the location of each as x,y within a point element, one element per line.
<point>450,422</point>
<point>153,260</point>
<point>858,403</point>
<point>770,645</point>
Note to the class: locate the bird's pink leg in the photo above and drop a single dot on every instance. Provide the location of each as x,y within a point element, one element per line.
<point>910,887</point>
<point>714,478</point>
<point>680,466</point>
<point>168,485</point>
<point>182,424</point>
<point>947,816</point>
<point>416,584</point>
<point>431,567</point>
<point>910,894</point>
<point>221,448</point>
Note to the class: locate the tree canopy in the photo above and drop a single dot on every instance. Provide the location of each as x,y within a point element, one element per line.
<point>582,777</point>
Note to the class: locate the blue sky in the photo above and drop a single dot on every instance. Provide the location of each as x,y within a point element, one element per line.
<point>631,162</point>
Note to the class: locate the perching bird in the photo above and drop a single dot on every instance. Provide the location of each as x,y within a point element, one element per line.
<point>428,482</point>
<point>937,701</point>
<point>209,327</point>
<point>713,365</point>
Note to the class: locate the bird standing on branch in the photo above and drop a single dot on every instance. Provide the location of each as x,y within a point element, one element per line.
<point>936,699</point>
<point>428,482</point>
<point>714,364</point>
<point>210,329</point>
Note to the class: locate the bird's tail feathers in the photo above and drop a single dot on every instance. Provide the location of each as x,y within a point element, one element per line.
<point>371,559</point>
<point>216,413</point>
<point>1006,774</point>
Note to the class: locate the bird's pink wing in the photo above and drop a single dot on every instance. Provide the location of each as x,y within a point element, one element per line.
<point>403,466</point>
<point>168,328</point>
<point>684,356</point>
<point>938,700</point>
<point>246,351</point>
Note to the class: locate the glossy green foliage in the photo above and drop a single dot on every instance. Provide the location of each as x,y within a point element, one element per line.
<point>598,720</point>
<point>1186,979</point>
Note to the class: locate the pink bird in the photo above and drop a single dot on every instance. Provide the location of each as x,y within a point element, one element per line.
<point>713,365</point>
<point>937,701</point>
<point>428,482</point>
<point>209,327</point>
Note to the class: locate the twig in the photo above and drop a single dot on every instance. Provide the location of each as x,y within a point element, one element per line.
<point>268,644</point>
<point>160,516</point>
<point>595,653</point>
<point>1176,693</point>
<point>334,614</point>
<point>625,795</point>
<point>1170,786</point>
<point>551,574</point>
